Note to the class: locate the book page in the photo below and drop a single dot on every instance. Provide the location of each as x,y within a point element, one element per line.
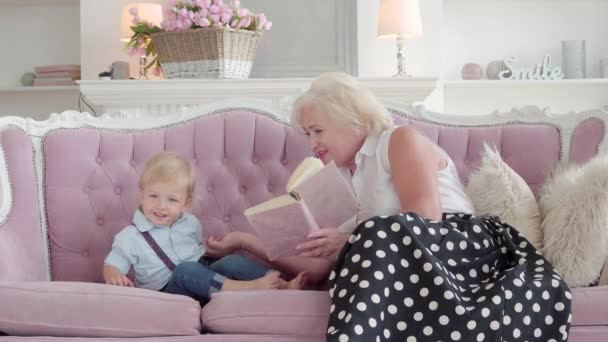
<point>308,167</point>
<point>272,203</point>
<point>329,197</point>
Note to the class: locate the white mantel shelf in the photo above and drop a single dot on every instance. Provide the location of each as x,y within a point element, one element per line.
<point>477,97</point>
<point>159,97</point>
<point>156,97</point>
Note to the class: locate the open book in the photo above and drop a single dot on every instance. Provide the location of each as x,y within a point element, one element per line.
<point>317,197</point>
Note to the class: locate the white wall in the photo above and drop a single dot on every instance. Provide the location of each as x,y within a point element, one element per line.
<point>37,33</point>
<point>378,57</point>
<point>306,38</point>
<point>39,103</point>
<point>100,31</point>
<point>481,31</point>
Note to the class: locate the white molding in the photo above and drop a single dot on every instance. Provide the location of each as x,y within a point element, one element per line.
<point>23,3</point>
<point>24,89</point>
<point>587,82</point>
<point>162,97</point>
<point>565,122</point>
<point>478,97</point>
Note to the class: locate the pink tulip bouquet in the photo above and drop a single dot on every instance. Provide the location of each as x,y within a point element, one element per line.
<point>183,15</point>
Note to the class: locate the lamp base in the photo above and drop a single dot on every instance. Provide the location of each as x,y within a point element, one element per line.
<point>401,73</point>
<point>142,68</point>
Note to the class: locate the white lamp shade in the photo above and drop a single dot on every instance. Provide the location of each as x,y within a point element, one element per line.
<point>152,13</point>
<point>399,18</point>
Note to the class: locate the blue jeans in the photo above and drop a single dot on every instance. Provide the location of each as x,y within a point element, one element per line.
<point>200,279</point>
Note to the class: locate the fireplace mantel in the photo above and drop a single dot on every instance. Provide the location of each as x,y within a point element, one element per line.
<point>140,98</point>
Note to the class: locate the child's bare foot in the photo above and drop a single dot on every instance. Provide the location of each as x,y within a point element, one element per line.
<point>269,281</point>
<point>296,283</point>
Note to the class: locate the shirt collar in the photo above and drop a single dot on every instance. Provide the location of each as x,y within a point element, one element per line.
<point>143,224</point>
<point>369,146</point>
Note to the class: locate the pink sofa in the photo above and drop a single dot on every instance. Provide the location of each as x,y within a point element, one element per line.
<point>69,186</point>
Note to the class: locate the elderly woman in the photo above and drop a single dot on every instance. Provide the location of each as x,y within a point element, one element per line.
<point>418,265</point>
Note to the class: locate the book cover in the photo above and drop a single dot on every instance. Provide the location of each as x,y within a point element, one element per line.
<point>54,83</point>
<point>54,68</point>
<point>318,197</point>
<point>55,79</point>
<point>70,74</point>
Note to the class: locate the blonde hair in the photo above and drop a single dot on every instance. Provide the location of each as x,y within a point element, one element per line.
<point>342,97</point>
<point>168,167</point>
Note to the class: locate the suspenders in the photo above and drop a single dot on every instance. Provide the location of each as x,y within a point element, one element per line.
<point>159,251</point>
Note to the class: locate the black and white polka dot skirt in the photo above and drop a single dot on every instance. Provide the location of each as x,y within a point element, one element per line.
<point>465,278</point>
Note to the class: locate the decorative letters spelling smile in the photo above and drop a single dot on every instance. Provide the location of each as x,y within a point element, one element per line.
<point>541,71</point>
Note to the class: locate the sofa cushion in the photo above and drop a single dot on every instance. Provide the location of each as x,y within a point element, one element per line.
<point>72,309</point>
<point>590,306</point>
<point>495,189</point>
<point>573,205</point>
<point>286,312</point>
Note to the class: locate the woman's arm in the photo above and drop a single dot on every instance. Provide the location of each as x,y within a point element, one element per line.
<point>415,164</point>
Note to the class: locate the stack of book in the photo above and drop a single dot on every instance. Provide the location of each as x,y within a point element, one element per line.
<point>56,75</point>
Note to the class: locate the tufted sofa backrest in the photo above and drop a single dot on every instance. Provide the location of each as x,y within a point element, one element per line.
<point>241,158</point>
<point>91,177</point>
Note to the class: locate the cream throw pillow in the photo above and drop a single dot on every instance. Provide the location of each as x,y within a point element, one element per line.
<point>497,190</point>
<point>574,205</point>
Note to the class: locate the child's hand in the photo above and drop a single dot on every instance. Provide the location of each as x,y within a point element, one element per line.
<point>218,248</point>
<point>112,276</point>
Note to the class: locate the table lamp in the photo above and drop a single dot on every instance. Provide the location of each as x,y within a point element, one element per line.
<point>152,13</point>
<point>399,19</point>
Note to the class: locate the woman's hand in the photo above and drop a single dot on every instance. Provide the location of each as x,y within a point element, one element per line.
<point>228,244</point>
<point>325,243</point>
<point>112,276</point>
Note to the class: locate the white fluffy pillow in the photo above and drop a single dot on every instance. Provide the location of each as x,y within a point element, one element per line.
<point>497,190</point>
<point>574,204</point>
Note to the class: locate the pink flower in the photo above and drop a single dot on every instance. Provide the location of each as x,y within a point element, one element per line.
<point>183,13</point>
<point>242,12</point>
<point>204,22</point>
<point>206,3</point>
<point>214,9</point>
<point>227,9</point>
<point>268,25</point>
<point>225,18</point>
<point>184,24</point>
<point>215,18</point>
<point>168,26</point>
<point>261,19</point>
<point>245,22</point>
<point>200,20</point>
<point>235,23</point>
<point>133,11</point>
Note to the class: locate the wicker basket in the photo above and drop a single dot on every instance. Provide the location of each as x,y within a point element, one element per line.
<point>206,52</point>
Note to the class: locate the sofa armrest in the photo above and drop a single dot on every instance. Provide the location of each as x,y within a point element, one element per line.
<point>22,248</point>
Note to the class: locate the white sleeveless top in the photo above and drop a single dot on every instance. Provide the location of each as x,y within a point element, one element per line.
<point>376,193</point>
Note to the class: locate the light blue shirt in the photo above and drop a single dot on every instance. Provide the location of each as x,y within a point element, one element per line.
<point>183,241</point>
